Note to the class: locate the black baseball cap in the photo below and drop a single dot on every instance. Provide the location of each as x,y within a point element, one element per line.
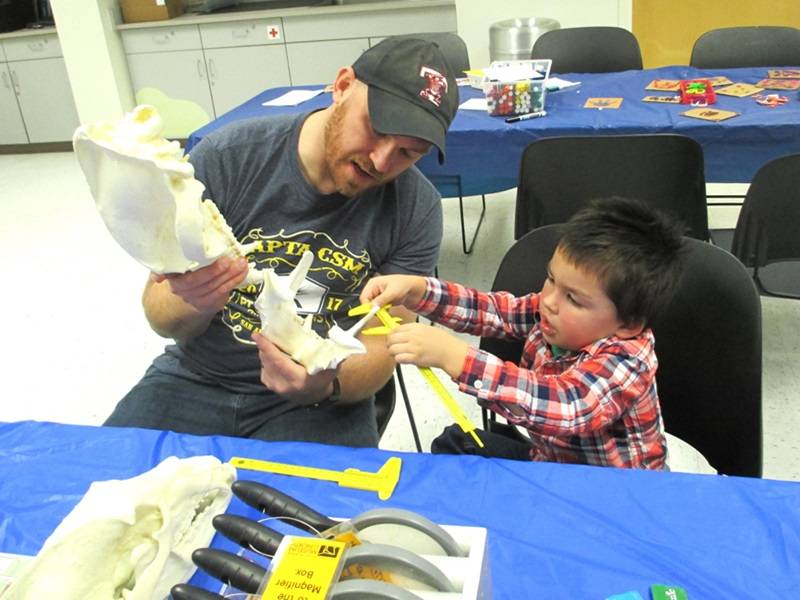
<point>412,90</point>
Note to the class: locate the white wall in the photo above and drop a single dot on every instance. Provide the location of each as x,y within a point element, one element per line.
<point>95,58</point>
<point>475,18</point>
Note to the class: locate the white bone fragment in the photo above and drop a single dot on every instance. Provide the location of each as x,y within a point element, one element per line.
<point>131,539</point>
<point>146,193</point>
<point>283,327</point>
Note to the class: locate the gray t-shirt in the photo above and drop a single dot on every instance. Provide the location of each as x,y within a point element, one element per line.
<point>251,171</point>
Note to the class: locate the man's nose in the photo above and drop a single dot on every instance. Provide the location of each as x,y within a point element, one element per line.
<point>383,154</point>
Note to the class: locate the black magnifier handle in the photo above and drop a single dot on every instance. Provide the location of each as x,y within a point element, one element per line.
<point>270,501</point>
<point>184,591</point>
<point>248,534</point>
<point>229,568</point>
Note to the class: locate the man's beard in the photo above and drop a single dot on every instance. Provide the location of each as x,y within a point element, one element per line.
<point>338,165</point>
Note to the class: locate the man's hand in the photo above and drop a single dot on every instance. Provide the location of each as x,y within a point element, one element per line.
<point>426,346</point>
<point>207,289</point>
<point>182,305</point>
<point>289,379</point>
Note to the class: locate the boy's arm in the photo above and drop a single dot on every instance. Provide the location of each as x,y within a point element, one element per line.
<point>486,314</point>
<point>579,401</point>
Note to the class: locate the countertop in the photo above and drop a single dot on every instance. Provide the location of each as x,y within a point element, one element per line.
<point>348,6</point>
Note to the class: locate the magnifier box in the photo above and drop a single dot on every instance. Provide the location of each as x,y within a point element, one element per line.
<point>469,574</point>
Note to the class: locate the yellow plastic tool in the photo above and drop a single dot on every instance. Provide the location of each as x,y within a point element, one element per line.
<point>383,482</point>
<point>389,323</point>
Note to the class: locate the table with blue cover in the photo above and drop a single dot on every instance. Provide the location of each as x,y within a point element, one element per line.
<point>485,151</point>
<point>554,531</point>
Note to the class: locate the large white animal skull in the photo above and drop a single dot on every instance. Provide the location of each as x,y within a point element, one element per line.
<point>147,195</point>
<point>131,539</point>
<point>283,327</point>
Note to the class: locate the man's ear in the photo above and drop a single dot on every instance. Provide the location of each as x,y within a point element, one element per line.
<point>345,78</point>
<point>629,331</point>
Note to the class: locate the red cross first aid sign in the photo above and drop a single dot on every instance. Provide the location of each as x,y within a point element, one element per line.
<point>273,32</point>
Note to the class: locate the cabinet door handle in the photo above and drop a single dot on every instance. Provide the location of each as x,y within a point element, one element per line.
<point>201,70</point>
<point>241,33</point>
<point>36,46</point>
<point>161,38</point>
<point>212,69</point>
<point>15,83</point>
<point>6,83</point>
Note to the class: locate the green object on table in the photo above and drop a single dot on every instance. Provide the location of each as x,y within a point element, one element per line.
<point>668,592</point>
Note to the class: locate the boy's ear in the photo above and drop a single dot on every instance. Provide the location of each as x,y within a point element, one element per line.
<point>629,331</point>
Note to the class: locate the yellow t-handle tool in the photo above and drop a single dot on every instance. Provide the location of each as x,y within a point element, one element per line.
<point>383,482</point>
<point>389,322</point>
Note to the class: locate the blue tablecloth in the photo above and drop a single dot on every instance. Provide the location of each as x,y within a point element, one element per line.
<point>555,531</point>
<point>485,151</point>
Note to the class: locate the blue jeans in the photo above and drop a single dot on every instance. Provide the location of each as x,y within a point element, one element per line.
<point>169,396</point>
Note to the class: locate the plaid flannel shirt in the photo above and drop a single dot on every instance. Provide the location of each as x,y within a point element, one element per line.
<point>597,405</point>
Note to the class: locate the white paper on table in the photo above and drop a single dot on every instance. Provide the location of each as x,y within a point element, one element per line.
<point>293,98</point>
<point>474,104</point>
<point>556,83</point>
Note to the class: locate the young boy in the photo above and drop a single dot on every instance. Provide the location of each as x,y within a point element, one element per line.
<point>585,387</point>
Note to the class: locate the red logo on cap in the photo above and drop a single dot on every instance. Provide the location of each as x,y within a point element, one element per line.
<point>435,85</point>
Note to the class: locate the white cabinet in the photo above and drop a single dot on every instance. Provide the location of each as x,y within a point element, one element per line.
<point>38,77</point>
<point>318,44</point>
<point>238,74</point>
<point>318,62</point>
<point>12,129</point>
<point>243,59</point>
<point>197,71</point>
<point>193,74</point>
<point>168,70</point>
<point>176,83</point>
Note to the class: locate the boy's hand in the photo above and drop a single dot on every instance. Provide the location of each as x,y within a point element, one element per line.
<point>397,290</point>
<point>426,346</point>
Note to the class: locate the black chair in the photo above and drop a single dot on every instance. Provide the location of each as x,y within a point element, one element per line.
<point>589,50</point>
<point>559,175</point>
<point>708,345</point>
<point>455,52</point>
<point>730,47</point>
<point>385,399</point>
<point>452,46</point>
<point>765,237</point>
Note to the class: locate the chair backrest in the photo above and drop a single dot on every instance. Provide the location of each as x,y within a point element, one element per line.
<point>731,47</point>
<point>452,46</point>
<point>589,50</point>
<point>384,405</point>
<point>708,344</point>
<point>766,231</point>
<point>559,175</point>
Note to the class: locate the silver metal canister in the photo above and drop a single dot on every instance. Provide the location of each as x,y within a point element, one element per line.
<point>513,39</point>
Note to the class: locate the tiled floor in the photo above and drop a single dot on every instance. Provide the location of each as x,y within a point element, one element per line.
<point>76,340</point>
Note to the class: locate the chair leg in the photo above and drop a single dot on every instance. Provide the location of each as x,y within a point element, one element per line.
<point>409,412</point>
<point>468,249</point>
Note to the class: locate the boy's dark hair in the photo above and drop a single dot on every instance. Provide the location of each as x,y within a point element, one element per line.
<point>635,251</point>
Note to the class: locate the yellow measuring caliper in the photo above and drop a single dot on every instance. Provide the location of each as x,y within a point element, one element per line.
<point>383,482</point>
<point>389,323</point>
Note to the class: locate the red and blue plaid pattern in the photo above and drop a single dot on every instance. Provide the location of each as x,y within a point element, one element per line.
<point>597,405</point>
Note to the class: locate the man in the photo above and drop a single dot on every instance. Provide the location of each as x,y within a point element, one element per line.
<point>339,182</point>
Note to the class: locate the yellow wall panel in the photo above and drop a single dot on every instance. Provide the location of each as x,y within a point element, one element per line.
<point>667,29</point>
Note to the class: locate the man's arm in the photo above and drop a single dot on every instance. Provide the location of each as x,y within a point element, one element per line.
<point>360,375</point>
<point>182,306</point>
